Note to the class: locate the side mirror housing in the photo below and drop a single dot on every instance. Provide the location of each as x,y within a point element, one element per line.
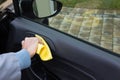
<point>40,8</point>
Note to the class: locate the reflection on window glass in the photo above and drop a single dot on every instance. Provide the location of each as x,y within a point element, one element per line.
<point>4,4</point>
<point>96,21</point>
<point>1,1</point>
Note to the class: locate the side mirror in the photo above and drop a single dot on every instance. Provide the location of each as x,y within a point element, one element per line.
<point>45,8</point>
<point>40,8</point>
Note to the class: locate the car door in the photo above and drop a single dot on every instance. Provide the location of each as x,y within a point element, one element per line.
<point>73,58</point>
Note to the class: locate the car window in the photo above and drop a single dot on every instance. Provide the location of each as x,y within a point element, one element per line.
<point>4,4</point>
<point>96,21</point>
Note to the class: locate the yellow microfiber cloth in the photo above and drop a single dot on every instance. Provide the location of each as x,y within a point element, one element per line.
<point>43,50</point>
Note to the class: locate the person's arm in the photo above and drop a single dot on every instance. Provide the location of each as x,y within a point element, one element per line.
<point>23,57</point>
<point>11,64</point>
<point>9,67</point>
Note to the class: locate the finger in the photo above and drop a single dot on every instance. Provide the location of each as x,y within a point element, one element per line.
<point>22,42</point>
<point>40,41</point>
<point>26,38</point>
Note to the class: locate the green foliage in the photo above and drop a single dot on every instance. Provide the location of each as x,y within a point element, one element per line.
<point>111,4</point>
<point>101,4</point>
<point>71,3</point>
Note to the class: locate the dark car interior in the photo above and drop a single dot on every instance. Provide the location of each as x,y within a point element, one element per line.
<point>4,31</point>
<point>73,59</point>
<point>76,61</point>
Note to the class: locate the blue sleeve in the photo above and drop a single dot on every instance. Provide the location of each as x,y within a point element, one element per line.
<point>9,67</point>
<point>23,58</point>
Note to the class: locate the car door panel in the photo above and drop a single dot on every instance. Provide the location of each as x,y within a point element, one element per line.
<point>73,59</point>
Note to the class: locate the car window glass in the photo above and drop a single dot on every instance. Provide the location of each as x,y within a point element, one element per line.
<point>96,21</point>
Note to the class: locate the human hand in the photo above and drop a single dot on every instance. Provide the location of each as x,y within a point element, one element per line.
<point>31,44</point>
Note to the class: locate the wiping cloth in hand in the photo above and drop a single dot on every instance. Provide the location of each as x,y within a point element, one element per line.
<point>43,50</point>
